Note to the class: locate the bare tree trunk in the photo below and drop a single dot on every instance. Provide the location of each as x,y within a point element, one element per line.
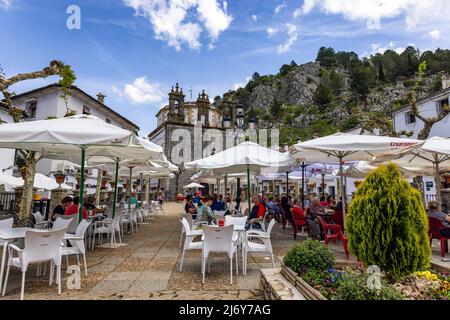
<point>437,179</point>
<point>27,196</point>
<point>98,190</point>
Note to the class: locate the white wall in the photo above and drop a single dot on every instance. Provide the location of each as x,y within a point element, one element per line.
<point>427,109</point>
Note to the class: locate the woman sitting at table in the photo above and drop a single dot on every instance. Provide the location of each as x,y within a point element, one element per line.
<point>190,207</point>
<point>204,211</point>
<point>331,202</point>
<point>61,208</point>
<point>312,212</point>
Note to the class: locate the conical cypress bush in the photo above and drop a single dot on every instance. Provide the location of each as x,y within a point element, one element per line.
<point>387,224</point>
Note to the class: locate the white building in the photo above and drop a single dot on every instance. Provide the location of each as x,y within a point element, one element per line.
<point>428,108</point>
<point>41,103</point>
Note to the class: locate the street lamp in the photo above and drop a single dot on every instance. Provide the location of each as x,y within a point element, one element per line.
<point>240,120</point>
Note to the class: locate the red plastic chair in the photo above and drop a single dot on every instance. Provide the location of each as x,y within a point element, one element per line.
<point>338,218</point>
<point>333,232</point>
<point>435,226</point>
<point>299,222</point>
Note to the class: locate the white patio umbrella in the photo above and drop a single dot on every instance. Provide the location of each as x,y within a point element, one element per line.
<point>348,147</point>
<point>245,157</point>
<point>434,153</point>
<point>47,183</point>
<point>193,185</point>
<point>83,135</point>
<point>40,182</point>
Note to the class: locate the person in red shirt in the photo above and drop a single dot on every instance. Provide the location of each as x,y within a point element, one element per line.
<point>73,209</point>
<point>257,213</point>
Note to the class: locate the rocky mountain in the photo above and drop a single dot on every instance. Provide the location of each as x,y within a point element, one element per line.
<point>337,92</point>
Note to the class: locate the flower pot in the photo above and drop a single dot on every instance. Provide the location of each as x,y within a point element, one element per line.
<point>60,177</point>
<point>113,184</point>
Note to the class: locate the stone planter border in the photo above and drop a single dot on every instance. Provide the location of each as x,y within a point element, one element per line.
<point>304,288</point>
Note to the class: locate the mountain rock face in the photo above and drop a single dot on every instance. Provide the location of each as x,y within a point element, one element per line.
<point>297,88</point>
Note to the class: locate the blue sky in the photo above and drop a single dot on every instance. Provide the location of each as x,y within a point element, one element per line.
<point>135,50</point>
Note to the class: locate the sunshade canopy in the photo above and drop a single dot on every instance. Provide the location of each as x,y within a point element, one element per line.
<point>193,185</point>
<point>350,147</point>
<point>62,139</point>
<point>247,155</point>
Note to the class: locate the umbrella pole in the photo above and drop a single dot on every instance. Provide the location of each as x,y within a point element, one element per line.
<point>81,197</point>
<point>129,189</point>
<point>303,185</point>
<point>116,179</point>
<point>323,185</point>
<point>341,173</point>
<point>142,185</point>
<point>248,188</point>
<point>226,188</point>
<point>437,178</point>
<point>287,184</point>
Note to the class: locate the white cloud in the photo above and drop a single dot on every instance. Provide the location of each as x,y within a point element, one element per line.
<point>292,38</point>
<point>271,31</point>
<point>380,48</point>
<point>173,21</point>
<point>435,34</point>
<point>279,7</point>
<point>255,18</point>
<point>6,4</point>
<point>241,84</point>
<point>141,91</point>
<point>415,12</point>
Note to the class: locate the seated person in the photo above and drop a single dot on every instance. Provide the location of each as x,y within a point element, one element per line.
<point>205,212</point>
<point>331,202</point>
<point>273,208</point>
<point>297,211</point>
<point>61,208</point>
<point>257,214</point>
<point>196,198</point>
<point>189,207</point>
<point>434,212</point>
<point>73,209</point>
<point>323,202</point>
<point>311,212</point>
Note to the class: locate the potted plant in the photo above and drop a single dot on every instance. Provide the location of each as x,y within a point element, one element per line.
<point>59,177</point>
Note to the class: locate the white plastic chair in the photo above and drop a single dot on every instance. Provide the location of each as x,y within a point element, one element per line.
<point>77,243</point>
<point>61,223</point>
<point>219,239</point>
<point>251,246</point>
<point>189,243</point>
<point>108,227</point>
<point>40,246</point>
<point>193,224</point>
<point>40,223</point>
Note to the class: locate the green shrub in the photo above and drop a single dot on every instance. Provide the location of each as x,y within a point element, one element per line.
<point>352,285</point>
<point>309,254</point>
<point>387,224</point>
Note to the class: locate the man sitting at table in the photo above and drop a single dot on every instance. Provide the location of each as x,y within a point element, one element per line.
<point>73,209</point>
<point>274,209</point>
<point>434,212</point>
<point>257,214</point>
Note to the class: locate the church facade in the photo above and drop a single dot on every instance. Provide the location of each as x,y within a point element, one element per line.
<point>190,130</point>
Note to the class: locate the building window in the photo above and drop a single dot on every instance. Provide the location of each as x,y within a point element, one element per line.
<point>31,109</point>
<point>410,118</point>
<point>86,110</point>
<point>108,120</point>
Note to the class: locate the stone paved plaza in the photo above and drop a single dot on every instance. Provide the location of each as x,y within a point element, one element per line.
<point>148,268</point>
